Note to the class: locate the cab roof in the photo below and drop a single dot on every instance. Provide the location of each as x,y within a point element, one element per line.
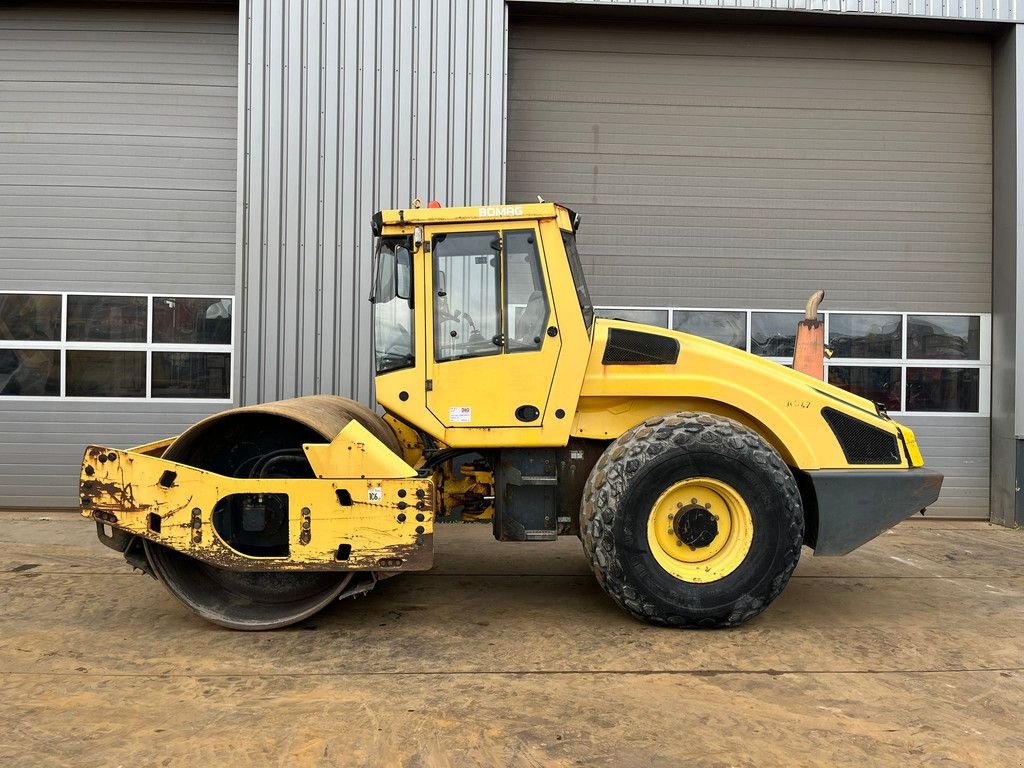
<point>402,217</point>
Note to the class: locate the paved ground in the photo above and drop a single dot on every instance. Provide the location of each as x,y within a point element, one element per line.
<point>908,652</point>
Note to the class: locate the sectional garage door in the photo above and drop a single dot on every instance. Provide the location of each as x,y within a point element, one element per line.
<point>117,176</point>
<point>742,168</point>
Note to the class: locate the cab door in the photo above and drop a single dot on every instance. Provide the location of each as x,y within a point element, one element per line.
<point>492,339</point>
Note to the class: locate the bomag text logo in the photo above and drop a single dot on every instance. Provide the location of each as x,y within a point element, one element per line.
<point>505,210</point>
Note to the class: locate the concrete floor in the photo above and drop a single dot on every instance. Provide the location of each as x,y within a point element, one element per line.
<point>907,652</point>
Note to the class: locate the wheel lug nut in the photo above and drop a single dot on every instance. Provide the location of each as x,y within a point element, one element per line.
<point>679,543</point>
<point>671,515</point>
<point>693,501</point>
<point>708,505</point>
<point>679,505</point>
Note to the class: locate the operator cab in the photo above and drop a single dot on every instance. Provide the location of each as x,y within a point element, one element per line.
<point>466,300</point>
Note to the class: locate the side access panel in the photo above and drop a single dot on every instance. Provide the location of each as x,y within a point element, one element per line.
<point>526,495</point>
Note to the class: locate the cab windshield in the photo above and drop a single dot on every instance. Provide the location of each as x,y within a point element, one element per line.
<point>582,294</point>
<point>392,305</point>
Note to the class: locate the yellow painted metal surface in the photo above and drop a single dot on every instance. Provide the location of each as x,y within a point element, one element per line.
<point>585,398</point>
<point>387,522</point>
<point>487,390</point>
<point>492,387</point>
<point>717,558</point>
<point>408,217</point>
<point>913,449</point>
<point>356,453</point>
<point>782,405</point>
<point>409,439</point>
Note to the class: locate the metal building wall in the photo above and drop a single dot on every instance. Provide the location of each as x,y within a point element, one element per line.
<point>117,174</point>
<point>729,165</point>
<point>117,147</point>
<point>1008,285</point>
<point>743,166</point>
<point>351,107</point>
<point>348,109</point>
<point>975,10</point>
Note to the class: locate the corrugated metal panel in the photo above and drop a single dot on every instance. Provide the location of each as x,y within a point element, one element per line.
<point>352,107</point>
<point>118,153</point>
<point>41,444</point>
<point>971,10</point>
<point>957,446</point>
<point>118,168</point>
<point>743,167</point>
<point>729,166</point>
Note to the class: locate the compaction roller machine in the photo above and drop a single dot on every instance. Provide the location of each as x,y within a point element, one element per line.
<point>692,472</point>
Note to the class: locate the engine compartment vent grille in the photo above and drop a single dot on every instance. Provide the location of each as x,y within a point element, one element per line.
<point>638,348</point>
<point>861,442</point>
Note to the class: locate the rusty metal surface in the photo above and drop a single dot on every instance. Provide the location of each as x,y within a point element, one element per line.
<point>387,522</point>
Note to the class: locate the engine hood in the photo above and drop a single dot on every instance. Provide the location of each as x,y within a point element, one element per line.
<point>636,370</point>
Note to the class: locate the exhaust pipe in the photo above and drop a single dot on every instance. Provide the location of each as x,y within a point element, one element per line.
<point>809,354</point>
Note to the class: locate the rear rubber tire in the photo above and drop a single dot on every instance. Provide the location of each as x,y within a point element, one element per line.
<point>630,477</point>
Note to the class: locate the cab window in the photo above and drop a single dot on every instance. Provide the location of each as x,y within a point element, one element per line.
<point>467,291</point>
<point>392,306</point>
<point>582,293</point>
<point>526,304</point>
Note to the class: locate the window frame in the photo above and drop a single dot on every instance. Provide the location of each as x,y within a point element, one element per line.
<point>983,363</point>
<point>435,271</point>
<point>376,305</point>
<point>63,346</point>
<point>507,307</point>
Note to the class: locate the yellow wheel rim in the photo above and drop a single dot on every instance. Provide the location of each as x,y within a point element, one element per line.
<point>700,530</point>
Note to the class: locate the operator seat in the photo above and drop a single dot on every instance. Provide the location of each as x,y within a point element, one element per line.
<point>530,325</point>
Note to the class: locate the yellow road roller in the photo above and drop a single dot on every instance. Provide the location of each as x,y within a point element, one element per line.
<point>692,472</point>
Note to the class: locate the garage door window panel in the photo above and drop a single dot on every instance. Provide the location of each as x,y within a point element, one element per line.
<point>883,386</point>
<point>30,317</point>
<point>658,317</point>
<point>191,374</point>
<point>729,328</point>
<point>866,336</point>
<point>106,373</point>
<point>944,337</point>
<point>116,346</point>
<point>29,372</point>
<point>939,390</point>
<point>107,318</point>
<point>773,334</point>
<point>30,331</point>
<point>186,320</point>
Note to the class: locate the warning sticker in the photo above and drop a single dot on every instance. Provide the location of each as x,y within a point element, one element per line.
<point>375,495</point>
<point>462,414</point>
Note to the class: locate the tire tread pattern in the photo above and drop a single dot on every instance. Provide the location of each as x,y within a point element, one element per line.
<point>605,497</point>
